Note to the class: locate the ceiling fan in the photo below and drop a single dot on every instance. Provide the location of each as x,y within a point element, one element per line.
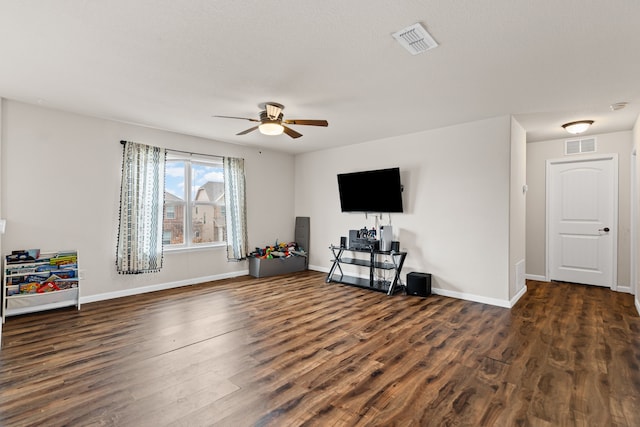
<point>272,122</point>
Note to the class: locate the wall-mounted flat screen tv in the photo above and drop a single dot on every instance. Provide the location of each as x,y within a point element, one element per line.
<point>371,191</point>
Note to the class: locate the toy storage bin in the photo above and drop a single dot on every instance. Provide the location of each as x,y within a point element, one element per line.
<point>272,267</point>
<point>259,267</point>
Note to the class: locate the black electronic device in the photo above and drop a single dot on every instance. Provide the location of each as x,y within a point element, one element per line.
<point>343,242</point>
<point>353,235</point>
<point>364,243</point>
<point>395,246</point>
<point>419,284</point>
<point>362,240</point>
<point>371,191</point>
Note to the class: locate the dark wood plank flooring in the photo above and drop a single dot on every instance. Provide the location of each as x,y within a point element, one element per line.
<point>293,350</point>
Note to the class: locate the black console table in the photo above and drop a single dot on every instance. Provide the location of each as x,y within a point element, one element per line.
<point>388,286</point>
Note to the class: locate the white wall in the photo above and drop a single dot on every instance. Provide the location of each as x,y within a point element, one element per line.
<point>60,184</point>
<point>456,197</point>
<point>517,209</point>
<point>636,145</point>
<point>537,155</point>
<point>1,138</point>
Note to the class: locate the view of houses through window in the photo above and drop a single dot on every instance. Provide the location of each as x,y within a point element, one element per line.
<point>194,210</point>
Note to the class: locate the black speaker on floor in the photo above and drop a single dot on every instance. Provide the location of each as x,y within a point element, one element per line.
<point>419,284</point>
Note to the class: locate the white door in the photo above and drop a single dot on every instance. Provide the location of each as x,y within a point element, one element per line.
<point>582,219</point>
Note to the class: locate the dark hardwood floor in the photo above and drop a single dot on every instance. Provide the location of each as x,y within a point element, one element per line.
<point>293,350</point>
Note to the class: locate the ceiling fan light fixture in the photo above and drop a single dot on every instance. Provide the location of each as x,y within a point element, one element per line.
<point>271,128</point>
<point>271,122</point>
<point>578,126</point>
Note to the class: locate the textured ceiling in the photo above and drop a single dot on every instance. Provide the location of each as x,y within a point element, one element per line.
<point>173,64</point>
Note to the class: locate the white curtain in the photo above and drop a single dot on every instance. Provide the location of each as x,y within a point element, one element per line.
<point>236,215</point>
<point>141,205</point>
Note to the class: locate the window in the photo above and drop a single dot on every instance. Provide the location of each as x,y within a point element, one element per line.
<point>194,211</point>
<point>170,212</point>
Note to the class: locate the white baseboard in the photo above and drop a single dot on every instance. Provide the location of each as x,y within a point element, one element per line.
<point>637,305</point>
<point>318,268</point>
<point>159,287</point>
<point>471,297</point>
<point>517,297</point>
<point>536,277</point>
<point>625,289</point>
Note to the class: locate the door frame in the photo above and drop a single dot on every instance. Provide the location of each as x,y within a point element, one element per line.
<point>633,255</point>
<point>582,159</point>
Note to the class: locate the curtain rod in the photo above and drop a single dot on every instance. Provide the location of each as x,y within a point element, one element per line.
<point>185,152</point>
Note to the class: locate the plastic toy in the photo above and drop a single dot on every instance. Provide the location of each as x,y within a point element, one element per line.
<point>29,288</point>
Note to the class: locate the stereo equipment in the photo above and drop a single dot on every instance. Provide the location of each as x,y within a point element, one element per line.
<point>359,241</point>
<point>364,243</point>
<point>395,246</point>
<point>343,242</point>
<point>353,236</point>
<point>419,284</point>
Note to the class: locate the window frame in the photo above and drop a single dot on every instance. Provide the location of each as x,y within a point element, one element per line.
<point>189,203</point>
<point>173,211</point>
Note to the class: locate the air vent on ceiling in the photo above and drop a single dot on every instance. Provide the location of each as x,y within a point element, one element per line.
<point>579,146</point>
<point>415,39</point>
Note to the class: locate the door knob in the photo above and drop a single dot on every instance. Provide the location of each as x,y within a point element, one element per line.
<point>606,229</point>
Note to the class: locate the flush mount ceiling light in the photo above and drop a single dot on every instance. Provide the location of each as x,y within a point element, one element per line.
<point>577,127</point>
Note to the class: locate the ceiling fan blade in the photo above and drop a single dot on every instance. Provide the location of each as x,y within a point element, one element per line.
<point>241,118</point>
<point>307,122</point>
<point>292,133</point>
<point>244,132</point>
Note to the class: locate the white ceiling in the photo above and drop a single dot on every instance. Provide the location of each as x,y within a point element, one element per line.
<point>173,64</point>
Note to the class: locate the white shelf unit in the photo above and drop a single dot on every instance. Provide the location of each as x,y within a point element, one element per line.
<point>58,268</point>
